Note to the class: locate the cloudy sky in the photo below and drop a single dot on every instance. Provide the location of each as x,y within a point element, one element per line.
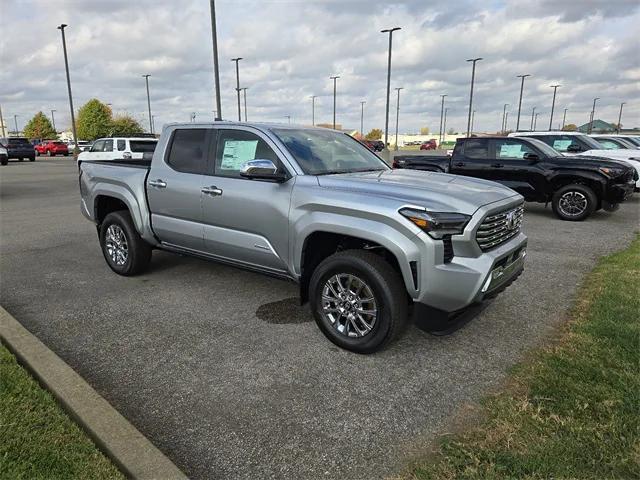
<point>291,48</point>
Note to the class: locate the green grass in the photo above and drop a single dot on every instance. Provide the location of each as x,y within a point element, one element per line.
<point>37,439</point>
<point>570,410</point>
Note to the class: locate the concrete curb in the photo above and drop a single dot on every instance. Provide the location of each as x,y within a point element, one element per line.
<point>131,451</point>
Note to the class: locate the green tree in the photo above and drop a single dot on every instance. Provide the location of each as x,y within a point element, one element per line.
<point>570,127</point>
<point>40,127</point>
<point>125,126</point>
<point>424,131</point>
<point>374,134</point>
<point>94,120</point>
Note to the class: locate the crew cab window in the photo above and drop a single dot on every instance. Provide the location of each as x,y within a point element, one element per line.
<point>512,149</point>
<point>476,149</point>
<point>122,144</point>
<point>189,150</point>
<point>108,146</point>
<point>609,144</point>
<point>236,147</point>
<point>97,146</point>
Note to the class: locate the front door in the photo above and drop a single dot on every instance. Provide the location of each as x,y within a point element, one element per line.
<point>512,169</point>
<point>246,221</point>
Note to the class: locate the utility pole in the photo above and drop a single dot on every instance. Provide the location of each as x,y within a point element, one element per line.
<point>441,117</point>
<point>362,118</point>
<point>53,121</point>
<point>386,114</point>
<point>334,78</point>
<point>244,92</point>
<point>216,68</point>
<point>397,114</point>
<point>237,60</point>
<point>473,76</point>
<point>504,117</point>
<point>61,27</point>
<point>620,118</point>
<point>533,112</point>
<point>593,113</point>
<point>564,118</point>
<point>313,109</point>
<point>146,79</point>
<point>553,104</point>
<point>520,101</point>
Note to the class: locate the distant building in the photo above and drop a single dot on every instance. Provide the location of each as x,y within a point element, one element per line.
<point>599,126</point>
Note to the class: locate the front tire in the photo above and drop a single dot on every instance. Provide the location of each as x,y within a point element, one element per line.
<point>123,248</point>
<point>574,202</point>
<point>4,160</point>
<point>358,300</point>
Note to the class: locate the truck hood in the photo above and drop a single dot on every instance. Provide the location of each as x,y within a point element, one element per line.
<point>435,191</point>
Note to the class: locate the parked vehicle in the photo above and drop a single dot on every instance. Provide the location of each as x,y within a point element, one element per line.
<point>374,145</point>
<point>122,148</point>
<point>364,242</point>
<point>575,186</point>
<point>429,145</point>
<point>615,142</point>
<point>4,157</point>
<point>82,146</point>
<point>576,143</point>
<point>52,148</point>
<point>18,148</point>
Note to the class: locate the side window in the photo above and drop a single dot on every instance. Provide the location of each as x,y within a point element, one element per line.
<point>122,144</point>
<point>236,147</point>
<point>108,146</point>
<point>97,146</point>
<point>511,149</point>
<point>189,150</point>
<point>476,149</point>
<point>608,144</point>
<point>561,142</point>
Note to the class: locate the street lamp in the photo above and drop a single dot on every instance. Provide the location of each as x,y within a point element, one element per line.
<point>313,109</point>
<point>506,120</point>
<point>244,94</point>
<point>53,120</point>
<point>61,27</point>
<point>620,117</point>
<point>520,101</point>
<point>397,114</point>
<point>441,117</point>
<point>553,103</point>
<point>473,115</point>
<point>237,60</point>
<point>386,114</point>
<point>153,123</point>
<point>533,112</point>
<point>445,121</point>
<point>216,69</point>
<point>146,79</point>
<point>362,117</point>
<point>504,117</point>
<point>15,121</point>
<point>473,76</point>
<point>593,113</point>
<point>288,117</point>
<point>334,78</point>
<point>564,118</point>
<point>535,121</point>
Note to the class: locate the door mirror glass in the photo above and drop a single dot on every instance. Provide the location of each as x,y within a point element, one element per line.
<point>261,169</point>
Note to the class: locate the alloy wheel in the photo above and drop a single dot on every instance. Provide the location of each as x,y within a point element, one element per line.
<point>573,203</point>
<point>116,245</point>
<point>349,305</point>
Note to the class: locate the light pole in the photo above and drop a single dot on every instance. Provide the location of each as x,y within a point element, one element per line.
<point>146,79</point>
<point>397,114</point>
<point>535,121</point>
<point>313,109</point>
<point>445,121</point>
<point>533,112</point>
<point>473,76</point>
<point>362,118</point>
<point>553,103</point>
<point>504,116</point>
<point>244,94</point>
<point>620,117</point>
<point>564,118</point>
<point>593,113</point>
<point>53,121</point>
<point>193,117</point>
<point>237,60</point>
<point>386,114</point>
<point>473,115</point>
<point>334,78</point>
<point>61,27</point>
<point>153,123</point>
<point>520,101</point>
<point>506,120</point>
<point>2,129</point>
<point>15,121</point>
<point>441,117</point>
<point>288,117</point>
<point>216,69</point>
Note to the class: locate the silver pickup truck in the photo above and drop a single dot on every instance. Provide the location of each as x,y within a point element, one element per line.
<point>369,246</point>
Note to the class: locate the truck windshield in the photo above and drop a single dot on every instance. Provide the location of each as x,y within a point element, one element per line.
<point>327,152</point>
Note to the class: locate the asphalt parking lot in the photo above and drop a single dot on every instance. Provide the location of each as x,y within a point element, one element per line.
<point>230,385</point>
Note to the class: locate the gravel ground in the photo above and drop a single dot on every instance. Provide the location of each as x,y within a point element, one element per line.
<point>221,370</point>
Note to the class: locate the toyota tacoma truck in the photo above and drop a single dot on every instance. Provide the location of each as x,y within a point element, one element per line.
<point>575,186</point>
<point>368,245</point>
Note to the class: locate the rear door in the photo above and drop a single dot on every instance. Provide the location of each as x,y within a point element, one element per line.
<point>472,159</point>
<point>174,188</point>
<point>246,221</point>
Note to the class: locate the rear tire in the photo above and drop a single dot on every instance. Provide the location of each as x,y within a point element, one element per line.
<point>574,202</point>
<point>347,272</point>
<point>123,248</point>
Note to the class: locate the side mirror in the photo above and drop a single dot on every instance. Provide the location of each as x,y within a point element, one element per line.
<point>532,157</point>
<point>574,148</point>
<point>261,170</point>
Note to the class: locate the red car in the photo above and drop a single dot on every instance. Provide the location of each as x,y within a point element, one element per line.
<point>52,147</point>
<point>429,145</point>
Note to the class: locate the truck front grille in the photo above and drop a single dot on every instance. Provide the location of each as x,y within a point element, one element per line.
<point>499,227</point>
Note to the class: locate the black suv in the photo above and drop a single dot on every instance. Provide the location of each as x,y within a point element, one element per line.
<point>576,186</point>
<point>18,147</point>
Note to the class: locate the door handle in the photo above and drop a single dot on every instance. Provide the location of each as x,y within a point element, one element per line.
<point>212,190</point>
<point>497,165</point>
<point>157,183</point>
<point>459,164</point>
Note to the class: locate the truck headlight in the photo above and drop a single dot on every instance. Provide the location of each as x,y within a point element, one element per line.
<point>611,172</point>
<point>437,224</point>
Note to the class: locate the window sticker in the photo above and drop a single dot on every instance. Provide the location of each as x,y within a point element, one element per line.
<point>237,152</point>
<point>511,151</point>
<point>561,145</point>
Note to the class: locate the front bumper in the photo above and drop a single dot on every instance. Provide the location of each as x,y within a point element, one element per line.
<point>619,192</point>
